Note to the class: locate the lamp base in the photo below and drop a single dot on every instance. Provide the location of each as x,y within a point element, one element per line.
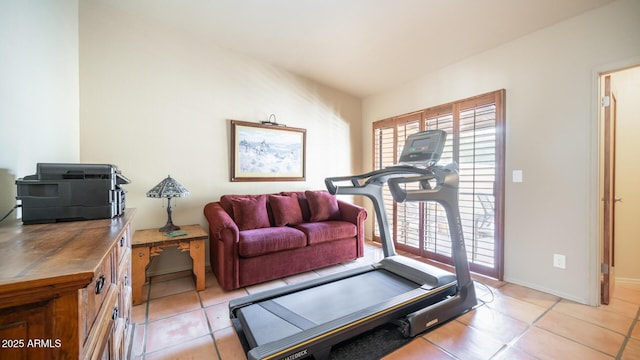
<point>169,228</point>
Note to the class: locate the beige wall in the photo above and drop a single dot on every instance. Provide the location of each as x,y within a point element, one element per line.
<point>626,85</point>
<point>551,86</point>
<point>39,94</point>
<point>156,101</point>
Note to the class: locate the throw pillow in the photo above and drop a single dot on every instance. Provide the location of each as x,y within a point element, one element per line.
<point>323,206</point>
<point>250,213</point>
<point>286,210</point>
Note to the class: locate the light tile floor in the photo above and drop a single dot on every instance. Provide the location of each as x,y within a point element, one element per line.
<point>513,322</point>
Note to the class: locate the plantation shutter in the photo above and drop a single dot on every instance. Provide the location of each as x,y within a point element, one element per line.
<point>437,241</point>
<point>385,155</point>
<point>408,222</point>
<point>388,144</point>
<point>478,171</point>
<point>475,142</point>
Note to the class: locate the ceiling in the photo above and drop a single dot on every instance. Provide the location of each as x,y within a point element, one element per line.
<point>361,47</point>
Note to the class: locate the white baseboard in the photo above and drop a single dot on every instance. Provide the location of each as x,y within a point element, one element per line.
<point>549,291</point>
<point>621,280</point>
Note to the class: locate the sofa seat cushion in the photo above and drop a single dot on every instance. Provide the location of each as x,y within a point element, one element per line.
<point>319,232</point>
<point>258,242</point>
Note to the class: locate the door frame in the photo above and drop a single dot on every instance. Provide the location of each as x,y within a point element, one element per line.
<point>609,128</point>
<point>595,226</point>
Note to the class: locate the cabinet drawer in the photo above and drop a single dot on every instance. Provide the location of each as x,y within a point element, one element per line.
<point>103,279</point>
<point>101,335</point>
<point>124,295</point>
<point>109,335</point>
<point>123,244</point>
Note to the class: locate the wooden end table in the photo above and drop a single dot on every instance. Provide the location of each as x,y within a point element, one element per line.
<point>148,243</point>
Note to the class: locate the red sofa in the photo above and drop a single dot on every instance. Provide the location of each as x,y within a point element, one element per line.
<point>256,238</point>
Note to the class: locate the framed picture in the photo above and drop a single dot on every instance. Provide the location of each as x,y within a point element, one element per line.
<point>267,152</point>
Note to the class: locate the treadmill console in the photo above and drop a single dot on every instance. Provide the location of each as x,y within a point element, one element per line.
<point>424,147</point>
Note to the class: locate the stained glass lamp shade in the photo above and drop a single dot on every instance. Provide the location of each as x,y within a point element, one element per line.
<point>168,188</point>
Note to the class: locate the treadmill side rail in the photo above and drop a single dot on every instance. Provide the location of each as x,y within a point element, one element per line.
<point>442,311</point>
<point>429,276</point>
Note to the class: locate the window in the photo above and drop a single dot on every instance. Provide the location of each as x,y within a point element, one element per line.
<point>475,141</point>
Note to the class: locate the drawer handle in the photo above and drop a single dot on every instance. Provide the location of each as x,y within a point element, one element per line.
<point>122,241</point>
<point>100,284</point>
<point>114,314</point>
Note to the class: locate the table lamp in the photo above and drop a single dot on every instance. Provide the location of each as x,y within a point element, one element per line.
<point>168,188</point>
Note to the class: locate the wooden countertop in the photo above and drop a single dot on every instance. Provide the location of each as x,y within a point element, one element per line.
<point>28,264</point>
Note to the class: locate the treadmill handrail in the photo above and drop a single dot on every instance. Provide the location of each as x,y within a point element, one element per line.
<point>370,185</point>
<point>446,176</point>
<point>446,194</point>
<point>380,176</point>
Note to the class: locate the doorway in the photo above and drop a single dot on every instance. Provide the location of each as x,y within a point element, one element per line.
<point>620,200</point>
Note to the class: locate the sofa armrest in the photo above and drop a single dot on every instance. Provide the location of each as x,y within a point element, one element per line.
<point>219,220</point>
<point>356,215</point>
<point>223,245</point>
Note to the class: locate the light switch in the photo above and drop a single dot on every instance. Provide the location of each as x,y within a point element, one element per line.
<point>517,176</point>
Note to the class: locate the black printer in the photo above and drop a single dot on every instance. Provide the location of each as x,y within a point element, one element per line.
<point>69,192</point>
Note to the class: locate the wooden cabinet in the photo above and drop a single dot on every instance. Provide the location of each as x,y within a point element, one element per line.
<point>65,290</point>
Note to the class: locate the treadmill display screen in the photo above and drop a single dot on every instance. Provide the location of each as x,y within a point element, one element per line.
<point>424,147</point>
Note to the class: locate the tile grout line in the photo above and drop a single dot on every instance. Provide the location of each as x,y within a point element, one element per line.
<point>481,304</point>
<point>591,323</point>
<point>147,307</point>
<point>628,335</point>
<point>146,322</point>
<point>206,316</point>
<point>513,341</point>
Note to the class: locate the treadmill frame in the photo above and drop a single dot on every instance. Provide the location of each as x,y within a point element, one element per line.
<point>317,341</point>
<point>414,312</point>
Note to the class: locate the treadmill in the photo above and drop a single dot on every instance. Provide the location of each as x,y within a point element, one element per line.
<point>308,318</point>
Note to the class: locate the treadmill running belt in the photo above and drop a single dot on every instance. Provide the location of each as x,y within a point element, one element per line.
<point>284,313</point>
<point>320,304</point>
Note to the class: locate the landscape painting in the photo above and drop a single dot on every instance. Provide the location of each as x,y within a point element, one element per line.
<point>267,152</point>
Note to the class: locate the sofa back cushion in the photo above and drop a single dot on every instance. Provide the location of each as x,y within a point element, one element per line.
<point>250,212</point>
<point>322,205</point>
<point>302,202</point>
<point>226,201</point>
<point>325,207</point>
<point>285,209</point>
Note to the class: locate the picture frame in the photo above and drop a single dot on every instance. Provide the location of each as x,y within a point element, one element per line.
<point>262,152</point>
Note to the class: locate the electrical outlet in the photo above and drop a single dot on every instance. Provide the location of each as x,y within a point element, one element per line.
<point>559,261</point>
<point>517,176</point>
